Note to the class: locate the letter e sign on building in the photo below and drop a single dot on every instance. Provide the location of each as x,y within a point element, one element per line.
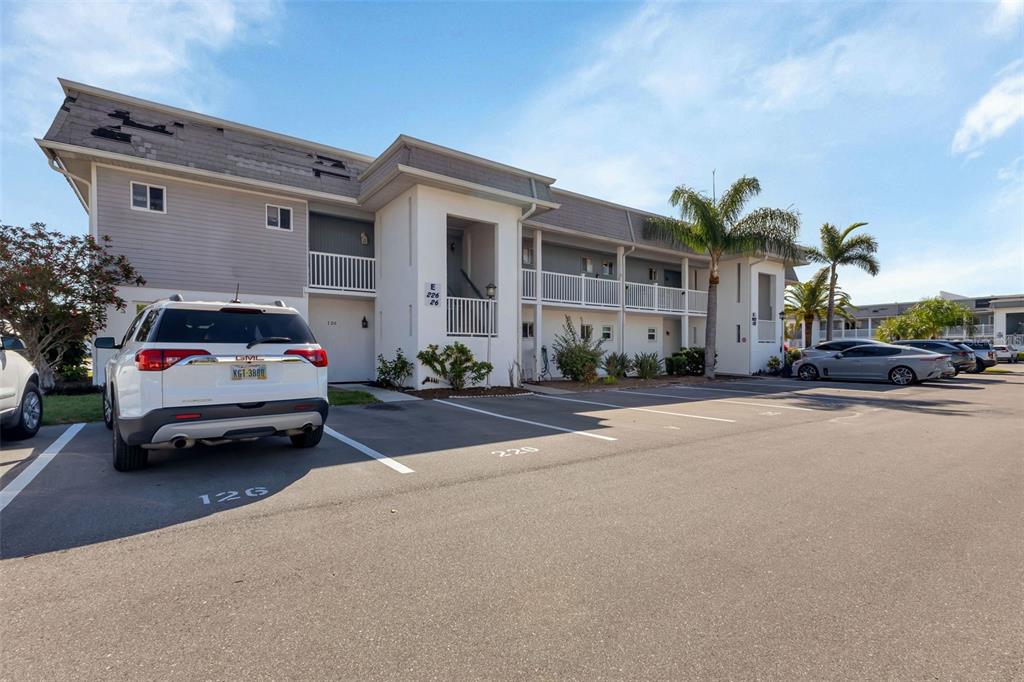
<point>433,292</point>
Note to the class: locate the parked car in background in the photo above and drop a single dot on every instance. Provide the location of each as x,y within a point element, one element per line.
<point>984,354</point>
<point>961,356</point>
<point>21,401</point>
<point>1007,353</point>
<point>210,373</point>
<point>836,346</point>
<point>900,365</point>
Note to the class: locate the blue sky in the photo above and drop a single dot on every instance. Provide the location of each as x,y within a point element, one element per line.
<point>907,116</point>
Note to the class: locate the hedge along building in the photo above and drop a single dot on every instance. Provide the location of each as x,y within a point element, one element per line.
<point>421,244</point>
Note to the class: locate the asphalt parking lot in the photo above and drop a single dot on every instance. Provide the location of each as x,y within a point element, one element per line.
<point>752,528</point>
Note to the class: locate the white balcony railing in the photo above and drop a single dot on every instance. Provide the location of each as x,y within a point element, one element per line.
<point>345,273</point>
<point>604,293</point>
<point>979,331</point>
<point>472,317</point>
<point>766,330</point>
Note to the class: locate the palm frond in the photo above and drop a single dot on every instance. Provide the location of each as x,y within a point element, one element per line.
<point>813,254</point>
<point>695,207</point>
<point>853,226</point>
<point>767,230</point>
<point>730,206</point>
<point>676,233</point>
<point>865,261</point>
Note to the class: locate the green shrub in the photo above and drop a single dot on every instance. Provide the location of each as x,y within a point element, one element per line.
<point>647,365</point>
<point>693,360</point>
<point>774,364</point>
<point>793,355</point>
<point>577,358</point>
<point>454,364</point>
<point>616,365</point>
<point>609,380</point>
<point>393,373</point>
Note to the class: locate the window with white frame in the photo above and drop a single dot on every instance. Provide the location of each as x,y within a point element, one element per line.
<point>652,274</point>
<point>587,264</point>
<point>279,217</point>
<point>527,256</point>
<point>148,197</point>
<point>606,332</point>
<point>607,268</point>
<point>586,331</point>
<point>527,330</point>
<point>652,333</point>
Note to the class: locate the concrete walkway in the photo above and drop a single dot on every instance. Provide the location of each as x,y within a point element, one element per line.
<point>384,395</point>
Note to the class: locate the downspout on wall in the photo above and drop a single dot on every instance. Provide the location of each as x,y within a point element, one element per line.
<point>519,284</point>
<point>56,165</point>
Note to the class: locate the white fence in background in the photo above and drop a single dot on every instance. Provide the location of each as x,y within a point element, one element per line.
<point>347,273</point>
<point>604,293</point>
<point>472,317</point>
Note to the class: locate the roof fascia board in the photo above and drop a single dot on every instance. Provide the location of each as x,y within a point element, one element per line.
<point>69,85</point>
<point>537,225</point>
<point>425,177</point>
<point>406,140</point>
<point>186,170</point>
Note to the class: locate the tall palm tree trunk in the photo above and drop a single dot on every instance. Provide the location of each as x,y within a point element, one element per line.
<point>711,325</point>
<point>808,321</point>
<point>831,302</point>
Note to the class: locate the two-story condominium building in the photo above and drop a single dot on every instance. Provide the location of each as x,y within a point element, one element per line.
<point>421,244</point>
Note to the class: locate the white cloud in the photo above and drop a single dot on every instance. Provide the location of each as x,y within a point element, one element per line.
<point>159,50</point>
<point>1007,17</point>
<point>994,114</point>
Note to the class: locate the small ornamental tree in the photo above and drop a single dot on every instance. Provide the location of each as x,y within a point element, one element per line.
<point>55,290</point>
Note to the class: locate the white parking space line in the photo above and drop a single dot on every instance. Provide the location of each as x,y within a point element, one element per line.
<point>526,421</point>
<point>779,394</point>
<point>640,409</point>
<point>12,489</point>
<point>366,450</point>
<point>722,400</point>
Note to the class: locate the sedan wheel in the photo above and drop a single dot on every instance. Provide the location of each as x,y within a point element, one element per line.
<point>808,373</point>
<point>901,376</point>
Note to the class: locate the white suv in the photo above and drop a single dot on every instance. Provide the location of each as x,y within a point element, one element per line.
<point>210,373</point>
<point>21,402</point>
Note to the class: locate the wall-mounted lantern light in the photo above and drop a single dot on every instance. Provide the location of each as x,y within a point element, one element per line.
<point>365,323</point>
<point>491,290</point>
<point>782,315</point>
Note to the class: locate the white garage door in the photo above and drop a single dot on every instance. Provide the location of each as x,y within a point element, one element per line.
<point>337,324</point>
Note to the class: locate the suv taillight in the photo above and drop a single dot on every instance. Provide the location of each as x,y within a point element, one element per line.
<point>159,359</point>
<point>317,356</point>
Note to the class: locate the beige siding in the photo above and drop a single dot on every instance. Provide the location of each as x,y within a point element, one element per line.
<point>210,239</point>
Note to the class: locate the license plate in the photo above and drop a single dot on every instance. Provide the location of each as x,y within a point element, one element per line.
<point>246,372</point>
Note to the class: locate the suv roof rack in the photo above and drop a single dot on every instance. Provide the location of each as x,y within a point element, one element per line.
<point>279,303</point>
<point>175,297</point>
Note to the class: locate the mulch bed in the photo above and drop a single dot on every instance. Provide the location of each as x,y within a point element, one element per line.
<point>472,392</point>
<point>632,382</point>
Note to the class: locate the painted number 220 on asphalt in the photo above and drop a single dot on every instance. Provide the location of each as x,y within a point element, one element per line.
<point>514,451</point>
<point>231,495</point>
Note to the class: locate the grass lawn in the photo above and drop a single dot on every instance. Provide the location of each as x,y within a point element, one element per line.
<point>335,397</point>
<point>70,409</point>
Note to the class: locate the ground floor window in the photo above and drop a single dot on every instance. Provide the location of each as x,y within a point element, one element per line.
<point>527,330</point>
<point>586,331</point>
<point>652,334</point>
<point>606,332</point>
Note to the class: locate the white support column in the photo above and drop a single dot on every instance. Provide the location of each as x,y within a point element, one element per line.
<point>620,264</point>
<point>538,306</point>
<point>871,334</point>
<point>686,301</point>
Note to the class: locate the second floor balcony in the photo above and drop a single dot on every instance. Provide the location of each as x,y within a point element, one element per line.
<point>342,273</point>
<point>593,292</point>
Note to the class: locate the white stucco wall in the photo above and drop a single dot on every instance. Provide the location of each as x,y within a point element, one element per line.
<point>733,357</point>
<point>760,351</point>
<point>398,295</point>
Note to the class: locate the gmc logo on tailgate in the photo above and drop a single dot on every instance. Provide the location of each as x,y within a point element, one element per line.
<point>248,358</point>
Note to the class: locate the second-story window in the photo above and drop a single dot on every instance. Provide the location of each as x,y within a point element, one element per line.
<point>652,274</point>
<point>607,268</point>
<point>279,217</point>
<point>148,198</point>
<point>527,256</point>
<point>587,264</point>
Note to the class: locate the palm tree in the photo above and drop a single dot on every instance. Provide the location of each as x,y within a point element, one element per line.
<point>719,229</point>
<point>838,248</point>
<point>808,300</point>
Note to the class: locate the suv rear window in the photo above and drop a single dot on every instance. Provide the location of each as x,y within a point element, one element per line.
<point>181,325</point>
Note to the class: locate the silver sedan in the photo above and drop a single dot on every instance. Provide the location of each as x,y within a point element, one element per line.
<point>875,362</point>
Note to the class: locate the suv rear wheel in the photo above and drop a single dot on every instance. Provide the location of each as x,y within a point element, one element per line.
<point>127,457</point>
<point>308,439</point>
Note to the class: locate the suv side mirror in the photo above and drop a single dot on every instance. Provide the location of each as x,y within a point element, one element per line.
<point>838,356</point>
<point>105,342</point>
